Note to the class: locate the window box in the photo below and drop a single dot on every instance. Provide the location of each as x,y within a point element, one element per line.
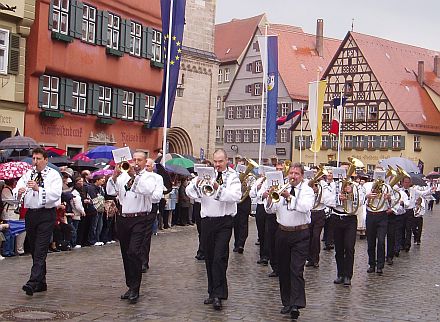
<point>61,37</point>
<point>156,64</point>
<point>417,149</point>
<point>114,52</point>
<point>54,114</point>
<point>103,120</point>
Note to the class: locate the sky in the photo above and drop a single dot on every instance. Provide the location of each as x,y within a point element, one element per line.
<point>406,21</point>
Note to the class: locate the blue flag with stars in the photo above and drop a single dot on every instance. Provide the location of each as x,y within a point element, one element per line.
<point>178,22</point>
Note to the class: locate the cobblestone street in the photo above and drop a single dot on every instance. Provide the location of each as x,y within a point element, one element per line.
<point>85,285</point>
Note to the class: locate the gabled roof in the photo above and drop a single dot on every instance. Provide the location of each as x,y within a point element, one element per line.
<point>298,61</point>
<point>232,38</point>
<point>395,66</point>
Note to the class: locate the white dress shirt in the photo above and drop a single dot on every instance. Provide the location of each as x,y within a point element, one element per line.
<point>224,201</point>
<point>47,196</point>
<point>414,193</point>
<point>159,182</point>
<point>258,193</point>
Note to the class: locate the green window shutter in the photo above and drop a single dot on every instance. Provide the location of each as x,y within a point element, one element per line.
<point>40,91</point>
<point>390,141</point>
<point>90,98</point>
<point>50,22</point>
<point>297,142</point>
<point>136,106</point>
<point>144,41</point>
<point>142,102</point>
<point>402,143</point>
<point>72,18</point>
<point>95,99</point>
<point>104,31</point>
<point>78,19</point>
<point>149,43</point>
<point>127,35</point>
<point>61,98</point>
<point>68,95</point>
<point>99,27</point>
<point>123,23</point>
<point>377,142</point>
<point>118,95</point>
<point>365,143</point>
<point>120,100</point>
<point>14,54</point>
<point>308,142</point>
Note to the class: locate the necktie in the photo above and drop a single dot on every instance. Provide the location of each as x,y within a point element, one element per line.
<point>292,191</point>
<point>129,184</point>
<point>407,192</point>
<point>39,179</point>
<point>219,178</point>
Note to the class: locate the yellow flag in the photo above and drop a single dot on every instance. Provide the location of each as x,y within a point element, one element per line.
<point>316,106</point>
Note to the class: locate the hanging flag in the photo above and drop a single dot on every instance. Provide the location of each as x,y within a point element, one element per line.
<point>269,57</point>
<point>178,22</point>
<point>420,165</point>
<point>283,119</point>
<point>316,106</point>
<point>334,126</point>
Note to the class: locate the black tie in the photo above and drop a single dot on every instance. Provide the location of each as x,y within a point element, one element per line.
<point>292,191</point>
<point>219,178</point>
<point>39,179</point>
<point>407,192</point>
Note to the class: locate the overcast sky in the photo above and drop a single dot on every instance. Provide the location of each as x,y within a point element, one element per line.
<point>406,21</point>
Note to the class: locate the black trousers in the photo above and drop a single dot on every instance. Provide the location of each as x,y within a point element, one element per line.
<point>328,232</point>
<point>147,242</point>
<point>131,233</point>
<point>399,242</point>
<point>216,234</point>
<point>196,214</point>
<point>417,227</point>
<point>260,220</point>
<point>344,228</point>
<point>409,223</point>
<point>39,228</point>
<point>391,235</point>
<point>241,222</point>
<point>292,248</point>
<point>318,220</point>
<point>377,225</point>
<point>271,229</point>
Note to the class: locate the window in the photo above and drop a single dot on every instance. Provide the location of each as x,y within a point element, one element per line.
<point>150,103</point>
<point>220,75</point>
<point>334,142</point>
<point>248,89</point>
<point>4,50</point>
<point>239,112</point>
<point>370,143</point>
<point>229,136</point>
<point>283,135</point>
<point>348,142</point>
<point>128,105</point>
<point>383,141</point>
<point>247,112</point>
<point>324,142</point>
<point>238,136</point>
<point>264,136</point>
<point>284,109</point>
<point>156,46</point>
<point>50,92</point>
<point>372,113</point>
<point>396,141</point>
<point>326,115</point>
<point>302,142</point>
<point>349,88</point>
<point>349,114</point>
<point>135,39</point>
<point>113,31</point>
<point>258,66</point>
<point>79,97</point>
<point>224,103</point>
<point>360,114</point>
<point>217,133</point>
<point>88,24</point>
<point>230,112</point>
<point>60,16</point>
<point>246,136</point>
<point>257,110</point>
<point>104,101</point>
<point>359,142</point>
<point>227,72</point>
<point>257,89</point>
<point>255,135</point>
<point>219,103</point>
<point>417,146</point>
<point>370,168</point>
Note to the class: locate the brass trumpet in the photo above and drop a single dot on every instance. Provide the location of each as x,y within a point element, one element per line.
<point>124,166</point>
<point>206,186</point>
<point>275,195</point>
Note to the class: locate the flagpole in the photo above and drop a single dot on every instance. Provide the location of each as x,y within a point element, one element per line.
<point>317,99</point>
<point>339,129</point>
<point>301,134</point>
<point>262,102</point>
<point>165,119</point>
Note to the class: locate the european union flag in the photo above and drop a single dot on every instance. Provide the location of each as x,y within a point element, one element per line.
<point>272,89</point>
<point>178,22</point>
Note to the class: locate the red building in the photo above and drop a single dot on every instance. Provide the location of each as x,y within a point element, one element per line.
<point>93,73</point>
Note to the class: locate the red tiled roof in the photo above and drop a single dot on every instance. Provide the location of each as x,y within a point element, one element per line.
<point>395,66</point>
<point>298,61</point>
<point>232,38</point>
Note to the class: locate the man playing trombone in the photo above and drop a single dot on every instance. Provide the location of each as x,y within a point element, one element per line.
<point>292,204</point>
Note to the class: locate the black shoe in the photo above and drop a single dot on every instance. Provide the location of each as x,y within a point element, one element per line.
<point>309,264</point>
<point>144,268</point>
<point>273,274</point>
<point>396,254</point>
<point>418,243</point>
<point>257,243</point>
<point>362,237</point>
<point>379,271</point>
<point>28,289</point>
<point>339,280</point>
<point>294,313</point>
<point>263,261</point>
<point>240,250</point>
<point>316,265</point>
<point>217,304</point>
<point>200,257</point>
<point>286,309</point>
<point>407,249</point>
<point>235,249</point>
<point>390,261</point>
<point>209,300</point>
<point>126,295</point>
<point>133,297</point>
<point>371,269</point>
<point>347,281</point>
<point>40,288</point>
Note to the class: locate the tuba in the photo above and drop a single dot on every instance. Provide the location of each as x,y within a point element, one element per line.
<point>352,203</point>
<point>395,177</point>
<point>206,186</point>
<point>286,167</point>
<point>314,182</point>
<point>379,188</point>
<point>245,177</point>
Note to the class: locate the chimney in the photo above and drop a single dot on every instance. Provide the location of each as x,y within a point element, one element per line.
<point>421,72</point>
<point>320,37</point>
<point>437,66</point>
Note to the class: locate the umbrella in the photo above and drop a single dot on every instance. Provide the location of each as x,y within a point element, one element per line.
<point>190,157</point>
<point>182,162</point>
<point>177,170</point>
<point>404,163</point>
<point>102,151</point>
<point>54,152</point>
<point>102,172</point>
<point>14,169</point>
<point>417,179</point>
<point>433,175</point>
<point>168,156</point>
<point>50,165</point>
<point>159,169</point>
<point>81,156</point>
<point>18,142</point>
<point>60,160</point>
<point>80,165</point>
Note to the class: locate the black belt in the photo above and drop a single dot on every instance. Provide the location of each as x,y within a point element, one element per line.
<point>294,228</point>
<point>134,214</point>
<point>38,209</point>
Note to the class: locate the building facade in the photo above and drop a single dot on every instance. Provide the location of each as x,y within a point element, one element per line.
<point>14,30</point>
<point>93,73</point>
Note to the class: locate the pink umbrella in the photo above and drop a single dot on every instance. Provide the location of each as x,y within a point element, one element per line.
<point>81,156</point>
<point>103,172</point>
<point>14,169</point>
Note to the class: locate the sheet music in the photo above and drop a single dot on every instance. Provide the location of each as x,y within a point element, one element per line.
<point>122,154</point>
<point>274,178</point>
